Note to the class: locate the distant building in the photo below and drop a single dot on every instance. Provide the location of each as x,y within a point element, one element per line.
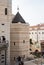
<point>37,35</point>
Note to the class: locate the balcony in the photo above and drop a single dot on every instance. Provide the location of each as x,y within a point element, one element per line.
<point>4,44</point>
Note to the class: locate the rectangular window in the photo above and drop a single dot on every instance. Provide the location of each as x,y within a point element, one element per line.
<point>2,55</point>
<point>14,43</point>
<point>2,61</point>
<point>23,41</point>
<point>39,32</point>
<point>14,58</point>
<point>0,51</point>
<point>35,32</point>
<point>42,32</point>
<point>2,23</point>
<point>2,31</point>
<point>32,32</point>
<point>5,11</point>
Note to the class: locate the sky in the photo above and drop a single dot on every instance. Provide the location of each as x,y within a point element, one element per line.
<point>32,11</point>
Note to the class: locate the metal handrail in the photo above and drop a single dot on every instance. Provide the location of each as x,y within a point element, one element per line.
<point>4,43</point>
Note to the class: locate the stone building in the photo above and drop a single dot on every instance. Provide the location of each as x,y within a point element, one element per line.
<point>37,35</point>
<point>5,20</point>
<point>19,38</point>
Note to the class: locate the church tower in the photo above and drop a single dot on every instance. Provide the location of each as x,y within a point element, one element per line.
<point>19,38</point>
<point>5,20</point>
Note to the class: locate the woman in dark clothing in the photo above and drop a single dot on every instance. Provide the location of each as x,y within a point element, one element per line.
<point>21,63</point>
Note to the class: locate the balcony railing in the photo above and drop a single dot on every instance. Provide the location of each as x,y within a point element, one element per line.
<point>4,44</point>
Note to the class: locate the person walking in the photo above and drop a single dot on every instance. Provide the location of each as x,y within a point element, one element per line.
<point>19,61</point>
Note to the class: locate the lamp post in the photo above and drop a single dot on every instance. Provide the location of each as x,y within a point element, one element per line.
<point>41,55</point>
<point>37,34</point>
<point>37,41</point>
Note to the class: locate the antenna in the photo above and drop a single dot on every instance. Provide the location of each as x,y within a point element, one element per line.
<point>18,8</point>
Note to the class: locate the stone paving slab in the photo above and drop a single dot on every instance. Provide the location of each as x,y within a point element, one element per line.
<point>29,63</point>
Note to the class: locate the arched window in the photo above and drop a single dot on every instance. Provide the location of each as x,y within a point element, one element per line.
<point>30,41</point>
<point>5,11</point>
<point>3,38</point>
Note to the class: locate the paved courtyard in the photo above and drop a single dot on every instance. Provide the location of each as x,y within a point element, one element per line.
<point>35,62</point>
<point>29,63</point>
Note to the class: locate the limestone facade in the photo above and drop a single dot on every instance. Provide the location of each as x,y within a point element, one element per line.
<point>37,35</point>
<point>5,19</point>
<point>19,39</point>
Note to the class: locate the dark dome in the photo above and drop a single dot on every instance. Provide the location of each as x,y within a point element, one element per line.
<point>18,18</point>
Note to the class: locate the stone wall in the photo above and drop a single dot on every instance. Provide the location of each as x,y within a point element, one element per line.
<point>19,37</point>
